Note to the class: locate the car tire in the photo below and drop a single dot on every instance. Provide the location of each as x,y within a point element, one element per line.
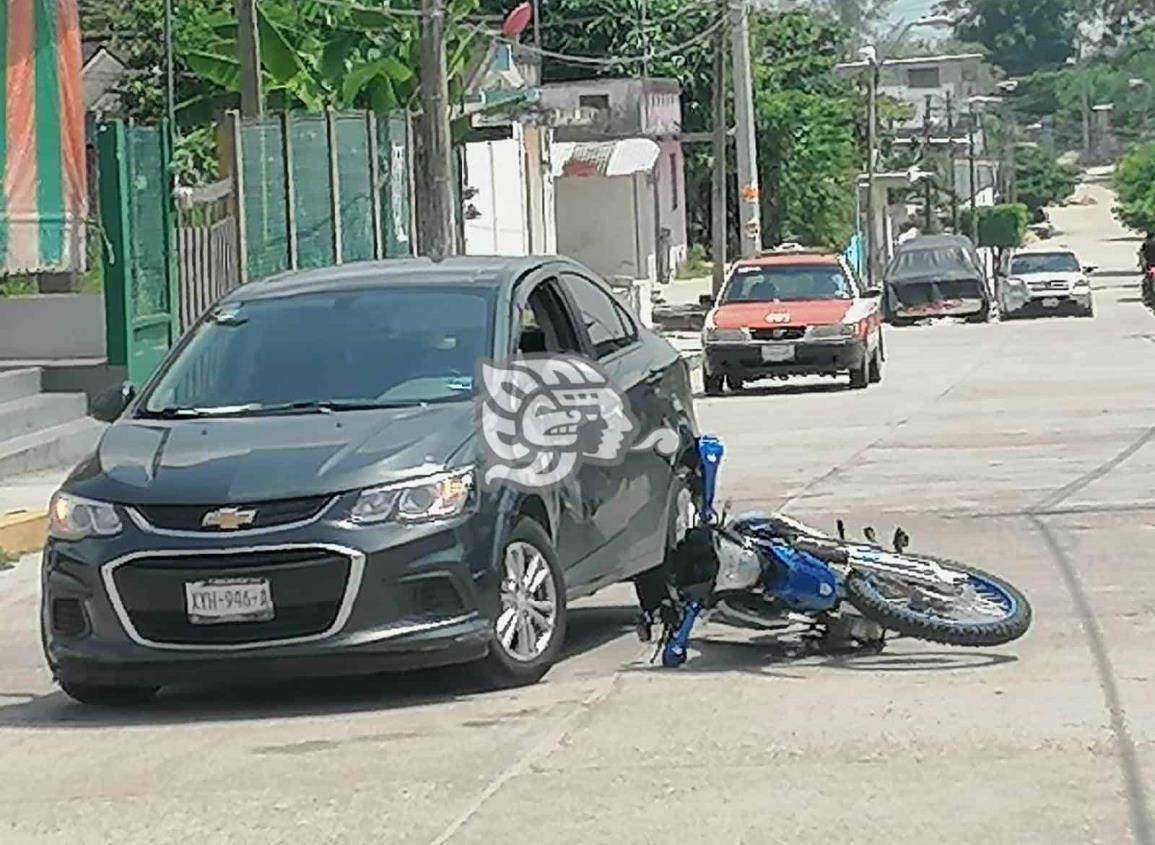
<point>874,373</point>
<point>1088,312</point>
<point>516,664</point>
<point>99,695</point>
<point>734,384</point>
<point>712,384</point>
<point>860,376</point>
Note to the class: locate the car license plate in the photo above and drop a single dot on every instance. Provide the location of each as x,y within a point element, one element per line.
<point>1050,302</point>
<point>778,353</point>
<point>220,600</point>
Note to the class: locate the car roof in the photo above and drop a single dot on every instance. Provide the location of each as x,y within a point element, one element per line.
<point>791,258</point>
<point>481,271</point>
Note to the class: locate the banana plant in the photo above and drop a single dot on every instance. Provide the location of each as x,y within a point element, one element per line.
<point>330,54</point>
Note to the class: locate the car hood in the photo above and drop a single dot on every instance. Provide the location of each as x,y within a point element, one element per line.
<point>759,315</point>
<point>219,461</point>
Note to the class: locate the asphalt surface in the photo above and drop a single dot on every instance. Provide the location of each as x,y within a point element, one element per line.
<point>1024,447</point>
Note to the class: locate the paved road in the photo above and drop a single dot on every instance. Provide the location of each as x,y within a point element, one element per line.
<point>1023,446</point>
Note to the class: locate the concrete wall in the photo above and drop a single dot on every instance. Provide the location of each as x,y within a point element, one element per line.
<point>671,181</point>
<point>495,169</point>
<point>515,195</point>
<point>52,327</point>
<point>599,220</point>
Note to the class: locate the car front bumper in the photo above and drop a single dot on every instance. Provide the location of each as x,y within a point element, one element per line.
<point>1058,302</point>
<point>348,600</point>
<point>806,357</point>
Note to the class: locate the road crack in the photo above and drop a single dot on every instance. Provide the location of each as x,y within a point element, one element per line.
<point>1142,824</point>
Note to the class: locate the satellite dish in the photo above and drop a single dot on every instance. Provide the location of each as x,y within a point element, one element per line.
<point>517,20</point>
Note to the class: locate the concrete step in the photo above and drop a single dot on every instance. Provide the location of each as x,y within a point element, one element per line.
<point>59,446</point>
<point>34,413</point>
<point>19,383</point>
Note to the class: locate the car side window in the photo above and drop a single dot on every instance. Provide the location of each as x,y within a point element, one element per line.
<point>606,322</point>
<point>545,323</point>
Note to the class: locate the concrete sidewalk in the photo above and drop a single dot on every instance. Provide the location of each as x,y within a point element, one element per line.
<point>24,509</point>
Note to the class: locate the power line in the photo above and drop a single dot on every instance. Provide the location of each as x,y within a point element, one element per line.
<point>615,61</point>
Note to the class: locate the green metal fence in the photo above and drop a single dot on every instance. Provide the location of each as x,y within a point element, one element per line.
<point>321,189</point>
<point>301,190</point>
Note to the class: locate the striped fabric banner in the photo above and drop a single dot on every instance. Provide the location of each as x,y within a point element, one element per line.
<point>44,201</point>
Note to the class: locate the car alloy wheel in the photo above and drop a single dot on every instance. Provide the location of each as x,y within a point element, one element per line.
<point>527,621</point>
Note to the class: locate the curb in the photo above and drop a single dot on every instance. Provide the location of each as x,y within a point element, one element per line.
<point>23,531</point>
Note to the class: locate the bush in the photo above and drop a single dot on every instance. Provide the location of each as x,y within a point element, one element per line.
<point>1135,186</point>
<point>1000,226</point>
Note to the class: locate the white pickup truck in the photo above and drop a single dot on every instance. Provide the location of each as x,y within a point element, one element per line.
<point>1045,280</point>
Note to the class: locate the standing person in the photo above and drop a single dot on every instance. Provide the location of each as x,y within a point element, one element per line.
<point>1147,263</point>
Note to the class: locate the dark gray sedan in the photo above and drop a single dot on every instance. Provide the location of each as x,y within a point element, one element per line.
<point>366,468</point>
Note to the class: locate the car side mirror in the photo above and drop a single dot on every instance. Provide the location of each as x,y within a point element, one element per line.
<point>109,404</point>
<point>872,293</point>
<point>1089,269</point>
<point>706,300</point>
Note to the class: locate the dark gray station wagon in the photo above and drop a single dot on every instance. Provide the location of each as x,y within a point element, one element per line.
<point>298,490</point>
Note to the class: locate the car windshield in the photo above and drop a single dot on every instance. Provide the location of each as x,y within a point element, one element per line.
<point>330,350</point>
<point>787,283</point>
<point>1051,262</point>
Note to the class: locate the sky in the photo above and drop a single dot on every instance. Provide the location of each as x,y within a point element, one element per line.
<point>909,10</point>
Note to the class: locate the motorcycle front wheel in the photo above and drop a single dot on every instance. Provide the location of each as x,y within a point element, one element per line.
<point>987,612</point>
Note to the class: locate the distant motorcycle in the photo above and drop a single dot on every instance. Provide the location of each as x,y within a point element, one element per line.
<point>770,573</point>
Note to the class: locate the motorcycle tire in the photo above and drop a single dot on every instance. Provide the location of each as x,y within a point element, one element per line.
<point>864,594</point>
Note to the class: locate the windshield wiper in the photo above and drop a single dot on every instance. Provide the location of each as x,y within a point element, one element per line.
<point>175,413</point>
<point>329,406</point>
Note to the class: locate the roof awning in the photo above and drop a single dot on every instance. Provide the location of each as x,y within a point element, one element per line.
<point>605,158</point>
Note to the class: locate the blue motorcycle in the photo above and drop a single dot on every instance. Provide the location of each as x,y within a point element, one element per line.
<point>771,573</point>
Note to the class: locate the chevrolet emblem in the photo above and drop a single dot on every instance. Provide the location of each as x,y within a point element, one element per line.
<point>228,519</point>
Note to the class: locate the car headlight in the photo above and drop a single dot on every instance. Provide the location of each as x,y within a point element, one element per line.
<point>837,331</point>
<point>715,335</point>
<point>1082,284</point>
<point>1013,282</point>
<point>420,500</point>
<point>73,518</point>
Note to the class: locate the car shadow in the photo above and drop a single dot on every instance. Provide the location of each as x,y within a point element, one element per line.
<point>588,628</point>
<point>788,389</point>
<point>773,657</point>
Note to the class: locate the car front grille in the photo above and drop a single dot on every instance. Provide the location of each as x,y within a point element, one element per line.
<point>308,587</point>
<point>264,514</point>
<point>790,333</point>
<point>1053,284</point>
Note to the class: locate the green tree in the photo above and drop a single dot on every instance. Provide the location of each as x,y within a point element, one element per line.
<point>807,157</point>
<point>1135,186</point>
<point>1021,36</point>
<point>1040,179</point>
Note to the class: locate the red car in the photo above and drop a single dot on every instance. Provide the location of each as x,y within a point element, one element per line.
<point>792,312</point>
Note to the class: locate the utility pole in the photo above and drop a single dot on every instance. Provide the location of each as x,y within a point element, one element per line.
<point>249,58</point>
<point>1012,180</point>
<point>438,229</point>
<point>871,143</point>
<point>718,216</point>
<point>953,176</point>
<point>749,195</point>
<point>973,177</point>
<point>927,181</point>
